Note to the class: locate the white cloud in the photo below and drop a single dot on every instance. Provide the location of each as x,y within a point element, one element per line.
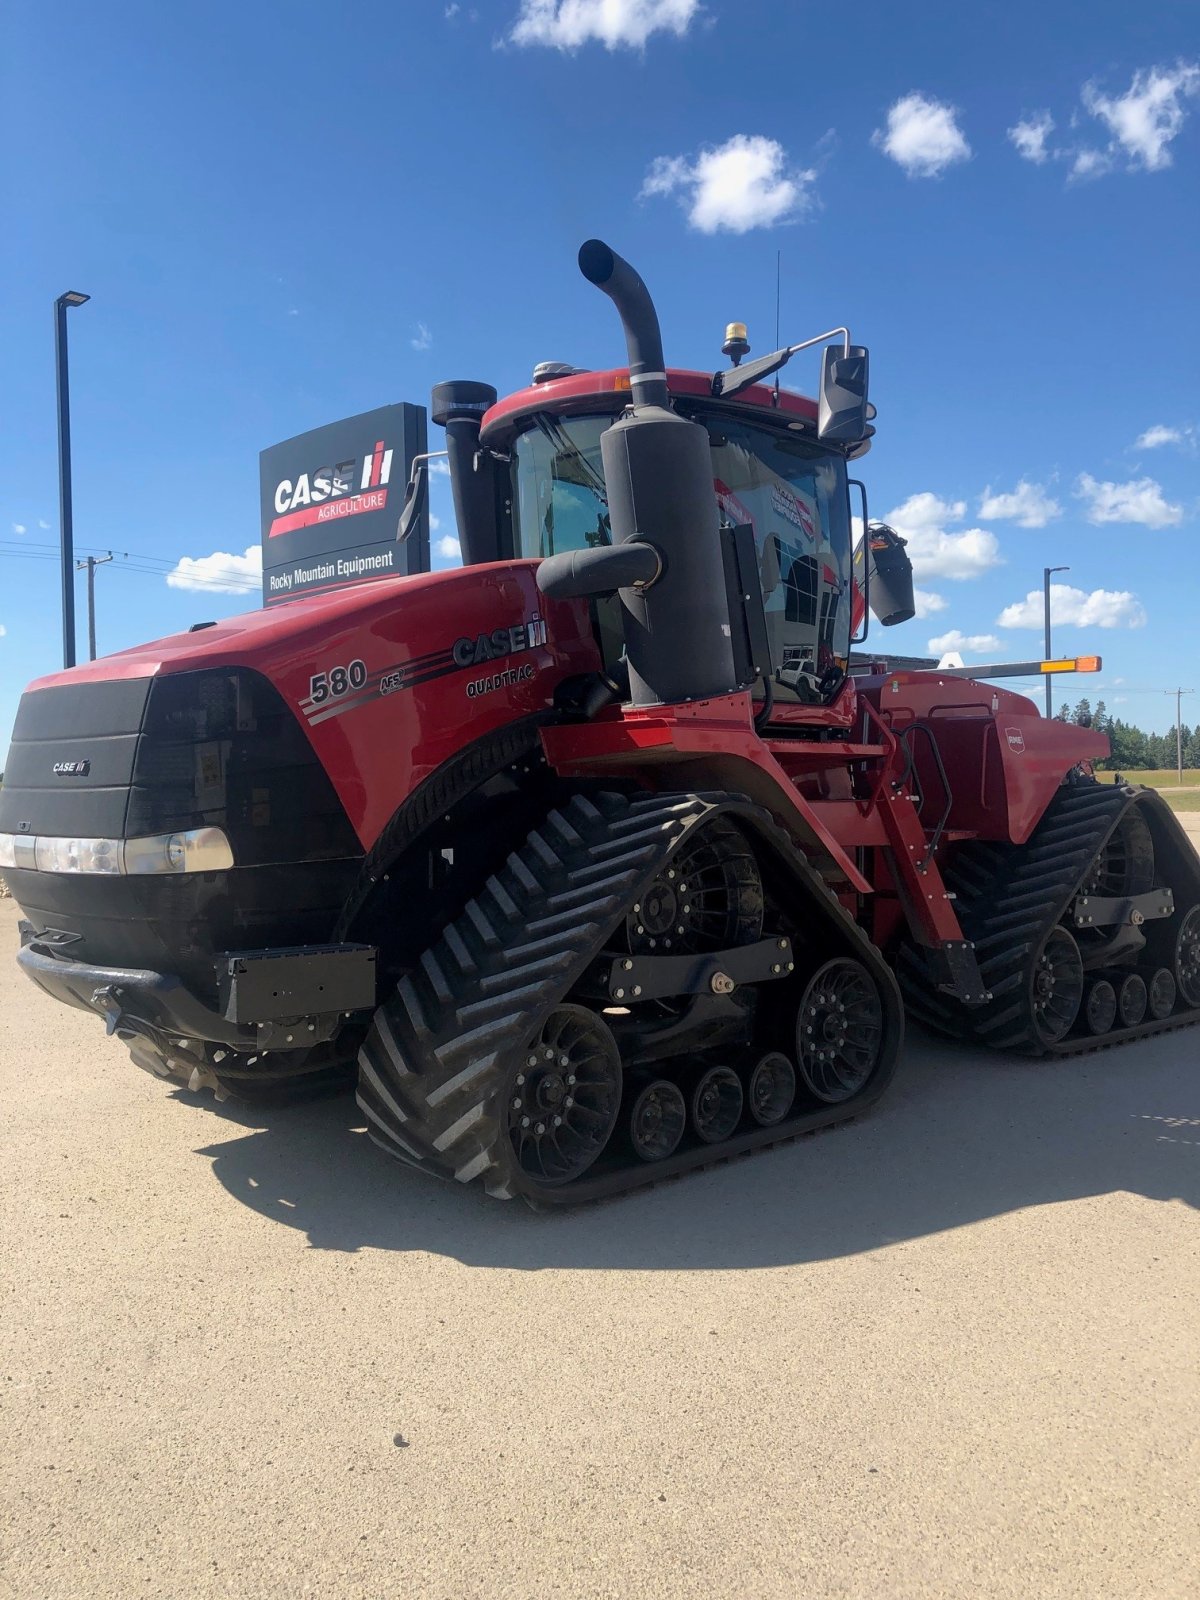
<point>567,24</point>
<point>448,548</point>
<point>42,524</point>
<point>742,184</point>
<point>926,602</point>
<point>219,573</point>
<point>1147,117</point>
<point>922,136</point>
<point>452,11</point>
<point>18,527</point>
<point>1153,439</point>
<point>957,641</point>
<point>1030,137</point>
<point>935,553</point>
<point>3,630</point>
<point>1102,608</point>
<point>1140,500</point>
<point>293,311</point>
<point>1028,505</point>
<point>439,468</point>
<point>435,522</point>
<point>422,339</point>
<point>1091,164</point>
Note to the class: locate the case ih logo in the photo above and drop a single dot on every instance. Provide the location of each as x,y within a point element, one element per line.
<point>72,769</point>
<point>343,490</point>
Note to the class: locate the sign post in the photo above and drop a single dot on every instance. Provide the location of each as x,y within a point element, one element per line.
<point>331,500</point>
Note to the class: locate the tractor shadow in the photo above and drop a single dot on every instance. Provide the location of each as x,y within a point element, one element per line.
<point>959,1137</point>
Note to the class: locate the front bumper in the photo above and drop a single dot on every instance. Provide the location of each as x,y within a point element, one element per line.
<point>157,1006</point>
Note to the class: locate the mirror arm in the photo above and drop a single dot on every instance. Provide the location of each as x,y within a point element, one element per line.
<point>736,379</point>
<point>418,479</point>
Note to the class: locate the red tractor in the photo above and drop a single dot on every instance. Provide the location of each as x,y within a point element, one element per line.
<point>594,858</point>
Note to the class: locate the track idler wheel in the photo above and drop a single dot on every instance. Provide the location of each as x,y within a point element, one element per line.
<point>1187,957</point>
<point>564,1098</point>
<point>1057,986</point>
<point>1160,994</point>
<point>1100,1006</point>
<point>1132,1000</point>
<point>772,1089</point>
<point>716,1105</point>
<point>657,1121</point>
<point>839,1031</point>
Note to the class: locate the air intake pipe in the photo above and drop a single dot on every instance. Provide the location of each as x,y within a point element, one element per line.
<point>659,481</point>
<point>458,407</point>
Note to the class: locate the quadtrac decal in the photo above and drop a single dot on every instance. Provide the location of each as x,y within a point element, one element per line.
<point>349,685</point>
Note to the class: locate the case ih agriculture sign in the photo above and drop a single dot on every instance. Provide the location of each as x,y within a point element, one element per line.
<point>331,500</point>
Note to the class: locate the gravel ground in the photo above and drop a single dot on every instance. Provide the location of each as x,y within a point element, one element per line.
<point>951,1350</point>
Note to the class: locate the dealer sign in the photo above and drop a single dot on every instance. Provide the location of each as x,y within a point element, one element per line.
<point>331,501</point>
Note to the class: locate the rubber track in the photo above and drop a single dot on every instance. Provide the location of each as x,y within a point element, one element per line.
<point>433,1066</point>
<point>1008,899</point>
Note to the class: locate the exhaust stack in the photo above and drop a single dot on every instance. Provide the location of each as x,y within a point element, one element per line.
<point>658,477</point>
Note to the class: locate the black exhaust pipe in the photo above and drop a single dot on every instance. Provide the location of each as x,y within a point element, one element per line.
<point>643,338</point>
<point>659,481</point>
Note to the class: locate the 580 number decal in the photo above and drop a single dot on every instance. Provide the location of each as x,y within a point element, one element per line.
<point>336,682</point>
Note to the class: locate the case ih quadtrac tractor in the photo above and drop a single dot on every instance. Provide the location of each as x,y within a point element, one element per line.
<point>592,858</point>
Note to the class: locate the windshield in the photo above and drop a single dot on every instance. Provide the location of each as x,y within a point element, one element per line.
<point>792,493</point>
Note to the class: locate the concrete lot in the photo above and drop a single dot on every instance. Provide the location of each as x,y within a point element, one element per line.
<point>949,1351</point>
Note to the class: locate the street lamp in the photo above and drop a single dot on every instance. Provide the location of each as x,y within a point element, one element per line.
<point>66,529</point>
<point>1046,571</point>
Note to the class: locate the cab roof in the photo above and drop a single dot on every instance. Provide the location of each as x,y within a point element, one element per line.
<point>583,393</point>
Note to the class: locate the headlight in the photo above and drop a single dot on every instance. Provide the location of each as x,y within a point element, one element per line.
<point>196,850</point>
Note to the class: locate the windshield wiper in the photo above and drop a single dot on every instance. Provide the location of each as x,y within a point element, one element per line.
<point>566,446</point>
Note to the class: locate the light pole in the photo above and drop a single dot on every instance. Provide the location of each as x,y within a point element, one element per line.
<point>66,528</point>
<point>1046,571</point>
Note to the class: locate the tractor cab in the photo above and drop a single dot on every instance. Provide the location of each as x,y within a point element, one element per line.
<point>769,474</point>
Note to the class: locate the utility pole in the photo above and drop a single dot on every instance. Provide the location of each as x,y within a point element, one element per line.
<point>91,564</point>
<point>1046,571</point>
<point>66,526</point>
<point>1179,694</point>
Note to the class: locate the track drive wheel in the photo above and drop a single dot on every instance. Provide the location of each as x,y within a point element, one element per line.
<point>1124,864</point>
<point>657,1121</point>
<point>1187,957</point>
<point>709,898</point>
<point>1056,987</point>
<point>1099,1006</point>
<point>564,1097</point>
<point>839,1031</point>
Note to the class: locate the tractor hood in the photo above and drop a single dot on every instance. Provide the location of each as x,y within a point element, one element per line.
<point>364,691</point>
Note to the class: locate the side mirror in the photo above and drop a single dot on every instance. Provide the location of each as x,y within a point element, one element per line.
<point>416,498</point>
<point>843,410</point>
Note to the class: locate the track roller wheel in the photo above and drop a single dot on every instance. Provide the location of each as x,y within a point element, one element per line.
<point>772,1089</point>
<point>1131,1000</point>
<point>717,1104</point>
<point>1057,987</point>
<point>839,1030</point>
<point>1187,957</point>
<point>1100,1006</point>
<point>657,1121</point>
<point>564,1097</point>
<point>1160,994</point>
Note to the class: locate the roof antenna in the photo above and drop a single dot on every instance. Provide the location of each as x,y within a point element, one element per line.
<point>778,259</point>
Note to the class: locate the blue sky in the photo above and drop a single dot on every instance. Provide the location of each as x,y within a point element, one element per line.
<point>286,215</point>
